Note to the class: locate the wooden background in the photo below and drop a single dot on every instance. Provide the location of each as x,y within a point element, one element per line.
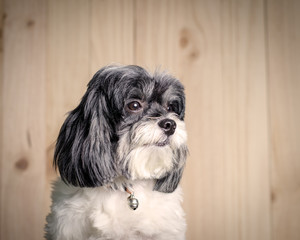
<point>240,63</point>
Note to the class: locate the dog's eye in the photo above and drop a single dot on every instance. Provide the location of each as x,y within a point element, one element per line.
<point>134,106</point>
<point>173,107</point>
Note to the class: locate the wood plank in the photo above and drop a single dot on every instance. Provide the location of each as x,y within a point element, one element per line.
<point>68,61</point>
<point>217,50</point>
<point>156,26</point>
<point>1,99</point>
<point>283,23</point>
<point>245,126</point>
<point>23,134</point>
<point>112,33</point>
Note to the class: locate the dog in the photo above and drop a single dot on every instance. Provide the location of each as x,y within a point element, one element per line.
<point>121,154</point>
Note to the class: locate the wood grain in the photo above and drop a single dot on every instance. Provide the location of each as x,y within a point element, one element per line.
<point>23,136</point>
<point>1,101</point>
<point>245,129</point>
<point>283,23</point>
<point>112,33</point>
<point>156,34</point>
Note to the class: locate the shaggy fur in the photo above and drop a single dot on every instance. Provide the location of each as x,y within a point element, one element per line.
<point>128,134</point>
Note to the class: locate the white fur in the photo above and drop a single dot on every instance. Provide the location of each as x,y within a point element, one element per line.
<point>147,161</point>
<point>150,162</point>
<point>101,213</point>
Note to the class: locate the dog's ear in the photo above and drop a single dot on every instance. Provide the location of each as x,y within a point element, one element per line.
<point>169,183</point>
<point>84,150</point>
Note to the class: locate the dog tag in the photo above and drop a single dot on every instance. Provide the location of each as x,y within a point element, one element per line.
<point>132,202</point>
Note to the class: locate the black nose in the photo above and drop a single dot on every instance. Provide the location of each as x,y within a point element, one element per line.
<point>168,125</point>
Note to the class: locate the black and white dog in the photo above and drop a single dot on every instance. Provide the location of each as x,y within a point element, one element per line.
<point>122,149</point>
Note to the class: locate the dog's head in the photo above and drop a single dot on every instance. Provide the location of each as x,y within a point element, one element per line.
<point>129,123</point>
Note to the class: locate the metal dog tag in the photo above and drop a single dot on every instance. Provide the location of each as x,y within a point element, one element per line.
<point>132,202</point>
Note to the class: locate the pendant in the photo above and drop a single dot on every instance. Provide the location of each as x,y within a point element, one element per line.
<point>132,202</point>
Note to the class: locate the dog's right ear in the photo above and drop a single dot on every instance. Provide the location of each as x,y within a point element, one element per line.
<point>84,151</point>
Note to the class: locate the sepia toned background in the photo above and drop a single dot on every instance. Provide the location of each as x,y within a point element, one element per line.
<point>240,63</point>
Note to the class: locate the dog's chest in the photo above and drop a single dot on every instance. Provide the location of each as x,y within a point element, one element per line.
<point>159,215</point>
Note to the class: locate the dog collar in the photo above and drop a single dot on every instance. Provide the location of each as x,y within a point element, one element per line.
<point>133,203</point>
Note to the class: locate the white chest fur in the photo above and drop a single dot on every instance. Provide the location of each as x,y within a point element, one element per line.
<point>99,213</point>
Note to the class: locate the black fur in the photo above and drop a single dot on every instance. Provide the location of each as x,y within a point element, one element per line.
<point>85,152</point>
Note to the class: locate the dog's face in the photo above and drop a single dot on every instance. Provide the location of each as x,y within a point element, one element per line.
<point>129,124</point>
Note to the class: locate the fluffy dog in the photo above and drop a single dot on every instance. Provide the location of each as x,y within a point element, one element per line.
<point>121,155</point>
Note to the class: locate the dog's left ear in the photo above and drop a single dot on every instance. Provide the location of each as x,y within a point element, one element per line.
<point>84,150</point>
<point>169,183</point>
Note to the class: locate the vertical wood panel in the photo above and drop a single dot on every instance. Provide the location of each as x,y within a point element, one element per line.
<point>245,129</point>
<point>156,33</point>
<point>217,49</point>
<point>68,61</point>
<point>1,103</point>
<point>23,136</point>
<point>112,33</point>
<point>284,89</point>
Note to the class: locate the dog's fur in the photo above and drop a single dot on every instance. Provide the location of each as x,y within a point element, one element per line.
<point>127,133</point>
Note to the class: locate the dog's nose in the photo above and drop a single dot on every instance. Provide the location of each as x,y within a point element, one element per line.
<point>168,125</point>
